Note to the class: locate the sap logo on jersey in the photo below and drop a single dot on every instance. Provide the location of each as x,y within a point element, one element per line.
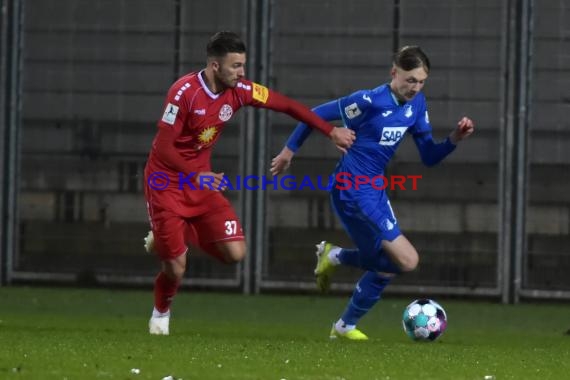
<point>391,135</point>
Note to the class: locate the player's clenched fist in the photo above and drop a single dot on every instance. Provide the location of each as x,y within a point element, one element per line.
<point>211,181</point>
<point>343,138</point>
<point>465,127</point>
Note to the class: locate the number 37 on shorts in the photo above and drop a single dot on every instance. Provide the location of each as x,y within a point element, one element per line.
<point>232,228</point>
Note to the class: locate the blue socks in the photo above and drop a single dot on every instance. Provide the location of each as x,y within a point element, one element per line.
<point>367,292</point>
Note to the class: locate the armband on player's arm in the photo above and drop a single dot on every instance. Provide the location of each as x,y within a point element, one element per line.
<point>327,111</point>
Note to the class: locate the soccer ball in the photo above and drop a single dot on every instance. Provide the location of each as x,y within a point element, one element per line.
<point>424,320</point>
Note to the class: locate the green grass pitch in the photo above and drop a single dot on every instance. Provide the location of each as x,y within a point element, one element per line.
<point>62,333</point>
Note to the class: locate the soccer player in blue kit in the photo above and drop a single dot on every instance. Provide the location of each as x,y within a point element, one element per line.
<point>380,118</point>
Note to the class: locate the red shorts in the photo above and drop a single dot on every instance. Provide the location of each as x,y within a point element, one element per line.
<point>173,230</point>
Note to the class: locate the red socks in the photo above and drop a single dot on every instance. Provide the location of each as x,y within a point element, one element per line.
<point>164,291</point>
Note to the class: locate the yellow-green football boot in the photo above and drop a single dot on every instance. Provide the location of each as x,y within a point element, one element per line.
<point>354,334</point>
<point>325,268</point>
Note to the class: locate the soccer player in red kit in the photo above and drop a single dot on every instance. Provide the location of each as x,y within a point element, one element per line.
<point>196,108</point>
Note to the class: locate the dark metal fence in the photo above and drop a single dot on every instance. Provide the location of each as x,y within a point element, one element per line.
<point>82,90</point>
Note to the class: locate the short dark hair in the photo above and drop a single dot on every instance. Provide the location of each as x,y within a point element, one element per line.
<point>411,57</point>
<point>223,43</point>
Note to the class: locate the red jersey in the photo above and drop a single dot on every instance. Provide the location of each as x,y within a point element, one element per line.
<point>196,116</point>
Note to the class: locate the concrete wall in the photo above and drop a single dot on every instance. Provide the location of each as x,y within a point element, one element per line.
<point>95,75</point>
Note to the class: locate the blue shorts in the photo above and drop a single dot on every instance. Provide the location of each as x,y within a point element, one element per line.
<point>366,216</point>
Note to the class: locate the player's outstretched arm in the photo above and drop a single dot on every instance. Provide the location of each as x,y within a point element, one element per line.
<point>342,137</point>
<point>280,163</point>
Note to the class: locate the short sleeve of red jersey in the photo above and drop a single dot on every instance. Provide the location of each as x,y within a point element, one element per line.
<point>176,108</point>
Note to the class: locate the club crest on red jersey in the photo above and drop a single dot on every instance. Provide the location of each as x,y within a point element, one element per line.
<point>226,112</point>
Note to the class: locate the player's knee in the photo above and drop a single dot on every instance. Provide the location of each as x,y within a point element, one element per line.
<point>175,274</point>
<point>174,271</point>
<point>409,262</point>
<point>235,254</point>
<point>179,273</point>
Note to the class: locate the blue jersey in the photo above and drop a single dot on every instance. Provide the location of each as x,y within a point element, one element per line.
<point>380,123</point>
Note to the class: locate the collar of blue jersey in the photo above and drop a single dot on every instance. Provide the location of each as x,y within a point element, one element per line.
<point>396,101</point>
